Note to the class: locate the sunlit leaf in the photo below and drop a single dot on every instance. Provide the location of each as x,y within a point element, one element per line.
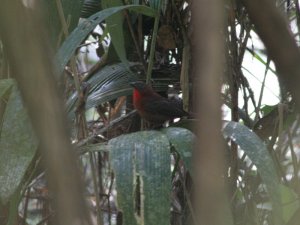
<point>266,109</point>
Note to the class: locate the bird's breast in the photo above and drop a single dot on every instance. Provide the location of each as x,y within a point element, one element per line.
<point>137,100</point>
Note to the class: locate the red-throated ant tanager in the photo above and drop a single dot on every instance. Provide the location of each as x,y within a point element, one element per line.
<point>153,107</point>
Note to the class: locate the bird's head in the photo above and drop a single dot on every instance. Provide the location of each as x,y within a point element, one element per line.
<point>141,87</point>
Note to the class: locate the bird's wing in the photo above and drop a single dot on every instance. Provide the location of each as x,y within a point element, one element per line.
<point>167,107</point>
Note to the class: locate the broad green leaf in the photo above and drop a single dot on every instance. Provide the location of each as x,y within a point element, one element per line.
<point>109,83</point>
<point>290,202</point>
<point>143,157</point>
<point>115,27</point>
<point>18,145</point>
<point>183,142</point>
<point>83,29</point>
<point>256,150</point>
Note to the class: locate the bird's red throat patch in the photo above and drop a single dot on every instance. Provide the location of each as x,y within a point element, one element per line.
<point>137,99</point>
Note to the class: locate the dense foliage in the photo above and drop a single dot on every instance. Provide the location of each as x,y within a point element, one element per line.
<point>99,47</point>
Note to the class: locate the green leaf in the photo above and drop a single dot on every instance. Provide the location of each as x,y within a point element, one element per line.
<point>290,202</point>
<point>109,83</point>
<point>142,158</point>
<point>155,4</point>
<point>71,10</point>
<point>90,7</point>
<point>80,33</point>
<point>256,150</point>
<point>183,142</point>
<point>115,27</point>
<point>99,147</point>
<point>160,5</point>
<point>18,145</point>
<point>5,85</point>
<point>266,109</point>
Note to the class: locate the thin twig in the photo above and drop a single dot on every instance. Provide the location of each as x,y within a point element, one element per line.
<point>138,49</point>
<point>152,49</point>
<point>262,90</point>
<point>94,177</point>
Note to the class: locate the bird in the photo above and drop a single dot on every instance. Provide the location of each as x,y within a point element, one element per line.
<point>154,108</point>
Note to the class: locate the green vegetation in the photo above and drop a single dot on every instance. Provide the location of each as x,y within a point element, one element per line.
<point>74,151</point>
